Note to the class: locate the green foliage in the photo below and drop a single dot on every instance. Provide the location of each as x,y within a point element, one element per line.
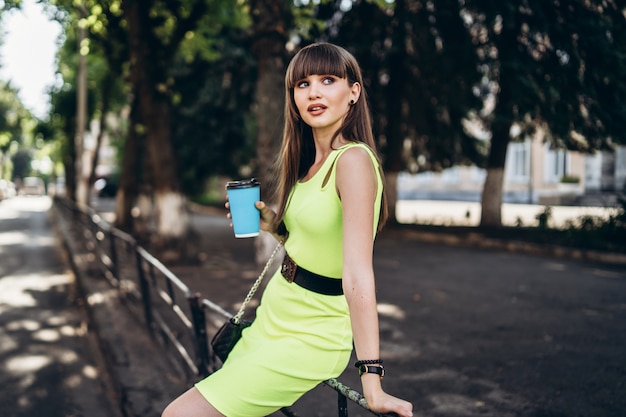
<point>570,179</point>
<point>14,114</point>
<point>6,5</point>
<point>555,63</point>
<point>544,217</point>
<point>593,232</point>
<point>212,194</point>
<point>212,122</point>
<point>586,232</point>
<point>206,41</point>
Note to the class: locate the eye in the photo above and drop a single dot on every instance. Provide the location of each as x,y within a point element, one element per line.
<point>328,80</point>
<point>302,84</point>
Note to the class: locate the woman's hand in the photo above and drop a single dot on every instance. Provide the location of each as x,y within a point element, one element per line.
<point>385,403</point>
<point>267,218</point>
<point>379,401</point>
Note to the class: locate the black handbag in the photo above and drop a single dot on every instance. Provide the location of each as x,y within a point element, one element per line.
<point>229,334</point>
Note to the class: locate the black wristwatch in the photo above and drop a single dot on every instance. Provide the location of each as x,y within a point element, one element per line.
<point>367,369</point>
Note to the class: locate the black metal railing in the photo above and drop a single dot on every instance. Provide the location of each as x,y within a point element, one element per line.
<point>179,319</point>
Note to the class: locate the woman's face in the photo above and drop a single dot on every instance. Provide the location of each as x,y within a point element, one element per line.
<point>324,100</point>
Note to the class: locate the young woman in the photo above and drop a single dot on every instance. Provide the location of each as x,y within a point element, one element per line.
<point>322,300</point>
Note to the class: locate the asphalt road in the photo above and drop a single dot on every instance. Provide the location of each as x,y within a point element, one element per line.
<point>48,365</point>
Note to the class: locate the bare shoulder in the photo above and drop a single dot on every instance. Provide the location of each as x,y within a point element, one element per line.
<point>355,158</point>
<point>355,169</point>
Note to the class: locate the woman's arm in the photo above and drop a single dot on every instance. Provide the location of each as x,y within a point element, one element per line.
<point>357,185</point>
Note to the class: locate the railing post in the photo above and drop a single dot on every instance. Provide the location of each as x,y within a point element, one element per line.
<point>342,405</point>
<point>144,286</point>
<point>200,336</point>
<point>113,249</point>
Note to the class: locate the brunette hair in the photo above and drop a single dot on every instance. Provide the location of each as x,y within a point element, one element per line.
<point>297,151</point>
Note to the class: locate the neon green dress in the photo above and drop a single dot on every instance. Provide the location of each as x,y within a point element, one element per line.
<point>299,338</point>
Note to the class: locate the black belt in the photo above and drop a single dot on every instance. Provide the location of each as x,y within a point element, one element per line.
<point>310,280</point>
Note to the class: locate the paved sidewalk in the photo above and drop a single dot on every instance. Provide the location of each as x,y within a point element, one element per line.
<point>49,361</point>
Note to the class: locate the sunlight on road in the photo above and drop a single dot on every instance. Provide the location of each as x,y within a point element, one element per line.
<point>391,310</point>
<point>27,363</point>
<point>20,238</point>
<point>12,206</point>
<point>17,289</point>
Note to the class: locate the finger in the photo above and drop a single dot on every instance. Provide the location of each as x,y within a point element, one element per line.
<point>227,205</point>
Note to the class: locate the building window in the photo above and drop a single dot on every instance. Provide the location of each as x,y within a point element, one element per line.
<point>519,161</point>
<point>556,165</point>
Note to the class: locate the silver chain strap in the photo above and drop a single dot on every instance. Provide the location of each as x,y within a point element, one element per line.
<point>256,284</point>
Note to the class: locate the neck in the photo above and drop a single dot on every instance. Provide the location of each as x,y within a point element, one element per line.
<point>324,144</point>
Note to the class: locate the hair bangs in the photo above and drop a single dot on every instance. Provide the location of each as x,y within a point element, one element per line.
<point>317,59</point>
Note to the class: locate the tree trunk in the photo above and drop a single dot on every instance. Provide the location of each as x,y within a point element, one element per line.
<point>391,188</point>
<point>491,200</point>
<point>69,165</point>
<point>503,116</point>
<point>173,240</point>
<point>104,111</point>
<point>130,177</point>
<point>271,21</point>
<point>81,120</point>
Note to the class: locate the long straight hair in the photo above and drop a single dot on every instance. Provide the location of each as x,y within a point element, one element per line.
<point>297,151</point>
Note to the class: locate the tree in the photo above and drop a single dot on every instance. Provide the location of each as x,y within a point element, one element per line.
<point>162,35</point>
<point>555,64</point>
<point>108,53</point>
<point>62,123</point>
<point>156,30</point>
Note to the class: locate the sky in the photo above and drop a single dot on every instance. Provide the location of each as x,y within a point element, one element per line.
<point>27,54</point>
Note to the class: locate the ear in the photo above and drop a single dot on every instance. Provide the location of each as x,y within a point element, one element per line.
<point>355,92</point>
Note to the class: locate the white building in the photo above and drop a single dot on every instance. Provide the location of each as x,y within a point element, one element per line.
<point>534,174</point>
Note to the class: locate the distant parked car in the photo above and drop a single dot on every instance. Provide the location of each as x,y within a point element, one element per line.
<point>32,186</point>
<point>7,189</point>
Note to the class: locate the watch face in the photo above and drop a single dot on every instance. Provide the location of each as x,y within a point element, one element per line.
<point>364,369</point>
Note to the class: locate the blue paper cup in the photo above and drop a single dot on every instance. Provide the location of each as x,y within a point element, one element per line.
<point>245,216</point>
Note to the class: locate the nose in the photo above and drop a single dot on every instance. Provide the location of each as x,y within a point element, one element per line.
<point>314,90</point>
